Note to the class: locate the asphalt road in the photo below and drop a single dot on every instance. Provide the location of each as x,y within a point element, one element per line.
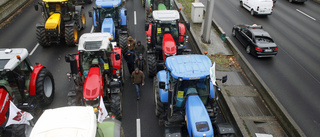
<point>21,33</point>
<point>293,75</point>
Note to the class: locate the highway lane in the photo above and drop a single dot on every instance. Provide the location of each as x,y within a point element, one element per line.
<point>144,108</point>
<point>293,75</point>
<point>21,33</point>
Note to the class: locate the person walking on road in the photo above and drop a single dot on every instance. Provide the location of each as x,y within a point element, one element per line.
<point>137,78</point>
<point>131,43</point>
<point>130,57</point>
<point>139,49</point>
<point>140,63</point>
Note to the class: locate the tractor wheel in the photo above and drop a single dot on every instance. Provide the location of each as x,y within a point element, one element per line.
<point>158,105</point>
<point>83,21</point>
<point>41,36</point>
<point>152,65</point>
<point>123,42</point>
<point>21,130</point>
<point>71,36</point>
<point>116,107</point>
<point>45,87</point>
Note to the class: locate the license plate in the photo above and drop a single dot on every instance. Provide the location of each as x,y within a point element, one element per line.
<point>268,50</point>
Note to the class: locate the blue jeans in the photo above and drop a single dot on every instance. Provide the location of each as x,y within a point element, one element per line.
<point>137,89</point>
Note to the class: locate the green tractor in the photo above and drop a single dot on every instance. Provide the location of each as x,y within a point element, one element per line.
<point>151,5</point>
<point>62,22</point>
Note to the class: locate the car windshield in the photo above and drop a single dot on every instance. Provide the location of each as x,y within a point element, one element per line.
<point>263,40</point>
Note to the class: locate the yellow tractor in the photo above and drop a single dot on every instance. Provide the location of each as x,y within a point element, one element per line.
<point>62,22</point>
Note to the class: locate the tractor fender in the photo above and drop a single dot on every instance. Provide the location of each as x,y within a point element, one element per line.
<point>163,93</point>
<point>33,81</point>
<point>40,25</point>
<point>212,90</point>
<point>116,63</point>
<point>182,31</point>
<point>4,103</point>
<point>197,118</point>
<point>123,17</point>
<point>148,32</point>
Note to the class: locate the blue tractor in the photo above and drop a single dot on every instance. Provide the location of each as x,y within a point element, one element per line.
<point>184,95</point>
<point>111,16</point>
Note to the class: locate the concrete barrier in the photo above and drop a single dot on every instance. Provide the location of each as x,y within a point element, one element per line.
<point>9,7</point>
<point>285,120</point>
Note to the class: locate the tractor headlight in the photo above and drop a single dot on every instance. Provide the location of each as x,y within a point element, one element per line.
<point>149,40</point>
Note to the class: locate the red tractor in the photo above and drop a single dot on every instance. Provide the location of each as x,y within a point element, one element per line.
<point>166,36</point>
<point>97,73</point>
<point>30,88</point>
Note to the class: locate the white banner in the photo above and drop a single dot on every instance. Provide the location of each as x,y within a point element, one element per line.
<point>213,73</point>
<point>103,113</point>
<point>17,116</point>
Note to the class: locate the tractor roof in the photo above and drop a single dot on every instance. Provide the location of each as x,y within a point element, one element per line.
<point>189,67</point>
<point>55,0</point>
<point>72,121</point>
<point>108,3</point>
<point>9,60</point>
<point>165,15</point>
<point>94,41</point>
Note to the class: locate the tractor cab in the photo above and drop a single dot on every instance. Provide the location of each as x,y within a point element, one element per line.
<point>152,5</point>
<point>15,72</point>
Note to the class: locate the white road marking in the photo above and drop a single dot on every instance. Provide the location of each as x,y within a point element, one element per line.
<point>34,49</point>
<point>138,128</point>
<point>135,18</point>
<point>306,14</point>
<point>92,29</point>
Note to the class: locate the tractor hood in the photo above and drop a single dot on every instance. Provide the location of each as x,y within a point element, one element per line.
<point>169,45</point>
<point>198,120</point>
<point>93,84</point>
<point>53,21</point>
<point>108,26</point>
<point>108,3</point>
<point>4,103</point>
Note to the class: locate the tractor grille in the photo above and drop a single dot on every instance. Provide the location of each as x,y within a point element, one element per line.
<point>52,32</point>
<point>91,92</point>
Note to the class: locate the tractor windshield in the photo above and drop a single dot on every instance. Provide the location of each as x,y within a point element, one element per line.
<point>57,7</point>
<point>109,13</point>
<point>93,58</point>
<point>161,5</point>
<point>199,87</point>
<point>167,27</point>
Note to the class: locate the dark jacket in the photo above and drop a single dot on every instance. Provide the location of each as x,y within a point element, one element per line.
<point>129,56</point>
<point>141,64</point>
<point>137,78</point>
<point>139,49</point>
<point>131,43</point>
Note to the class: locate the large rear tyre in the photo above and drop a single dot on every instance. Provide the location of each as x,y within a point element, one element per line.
<point>71,36</point>
<point>152,65</point>
<point>116,107</point>
<point>21,130</point>
<point>158,105</point>
<point>45,87</point>
<point>41,36</point>
<point>123,43</point>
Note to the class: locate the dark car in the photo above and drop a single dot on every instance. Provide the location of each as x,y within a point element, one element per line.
<point>256,41</point>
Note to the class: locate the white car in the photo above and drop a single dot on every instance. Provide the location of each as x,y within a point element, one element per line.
<point>258,7</point>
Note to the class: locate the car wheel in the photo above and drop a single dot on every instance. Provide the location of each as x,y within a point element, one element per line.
<point>234,32</point>
<point>252,12</point>
<point>248,49</point>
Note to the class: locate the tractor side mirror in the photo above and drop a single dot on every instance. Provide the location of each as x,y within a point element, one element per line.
<point>90,14</point>
<point>224,79</point>
<point>67,58</point>
<point>146,26</point>
<point>36,7</point>
<point>188,25</point>
<point>117,56</point>
<point>162,85</point>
